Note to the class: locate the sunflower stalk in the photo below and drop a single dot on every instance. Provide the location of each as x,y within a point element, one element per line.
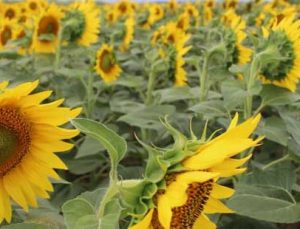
<point>269,55</point>
<point>58,50</point>
<point>203,73</point>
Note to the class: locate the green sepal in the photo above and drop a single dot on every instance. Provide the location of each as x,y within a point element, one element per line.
<point>179,138</point>
<point>131,191</point>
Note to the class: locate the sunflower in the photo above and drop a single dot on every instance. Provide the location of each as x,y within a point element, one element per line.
<point>209,4</point>
<point>230,4</point>
<point>86,28</point>
<point>157,35</point>
<point>190,194</point>
<point>35,6</point>
<point>172,5</point>
<point>183,21</point>
<point>11,11</point>
<point>181,50</point>
<point>156,13</point>
<point>7,32</point>
<point>106,65</point>
<point>240,54</point>
<point>111,16</point>
<point>47,28</point>
<point>124,8</point>
<point>191,10</point>
<point>29,136</point>
<point>172,33</point>
<point>285,36</point>
<point>129,27</point>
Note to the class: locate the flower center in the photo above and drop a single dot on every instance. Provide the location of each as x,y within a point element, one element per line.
<point>10,13</point>
<point>123,7</point>
<point>280,69</point>
<point>106,61</point>
<point>14,138</point>
<point>33,6</point>
<point>6,35</point>
<point>48,25</point>
<point>186,215</point>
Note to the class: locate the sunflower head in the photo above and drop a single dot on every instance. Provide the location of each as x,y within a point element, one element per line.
<point>186,178</point>
<point>29,137</point>
<point>283,68</point>
<point>7,32</point>
<point>35,6</point>
<point>82,23</point>
<point>106,64</point>
<point>11,11</point>
<point>47,27</point>
<point>234,34</point>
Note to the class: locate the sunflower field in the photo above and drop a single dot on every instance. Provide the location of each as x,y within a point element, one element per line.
<point>166,115</point>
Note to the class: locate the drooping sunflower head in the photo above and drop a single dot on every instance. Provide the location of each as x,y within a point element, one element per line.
<point>106,64</point>
<point>157,35</point>
<point>83,24</point>
<point>235,35</point>
<point>181,49</point>
<point>285,71</point>
<point>29,137</point>
<point>47,28</point>
<point>128,37</point>
<point>189,191</point>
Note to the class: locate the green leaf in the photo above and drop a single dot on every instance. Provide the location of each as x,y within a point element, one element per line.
<point>293,126</point>
<point>176,93</point>
<point>79,213</point>
<point>27,226</point>
<point>274,129</point>
<point>112,214</point>
<point>233,93</point>
<point>210,109</point>
<point>113,143</point>
<point>264,208</point>
<point>266,195</point>
<point>148,117</point>
<point>125,106</point>
<point>272,95</point>
<point>90,146</point>
<point>130,81</point>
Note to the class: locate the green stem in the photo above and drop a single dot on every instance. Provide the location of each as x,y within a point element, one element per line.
<point>112,190</point>
<point>58,50</point>
<point>90,97</point>
<point>254,69</point>
<point>150,88</point>
<point>285,158</point>
<point>203,77</point>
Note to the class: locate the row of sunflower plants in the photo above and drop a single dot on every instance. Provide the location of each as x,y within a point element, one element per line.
<point>175,115</point>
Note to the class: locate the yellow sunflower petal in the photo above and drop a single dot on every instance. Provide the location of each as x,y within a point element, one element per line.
<point>216,206</point>
<point>5,208</point>
<point>175,195</point>
<point>221,192</point>
<point>204,222</point>
<point>145,223</point>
